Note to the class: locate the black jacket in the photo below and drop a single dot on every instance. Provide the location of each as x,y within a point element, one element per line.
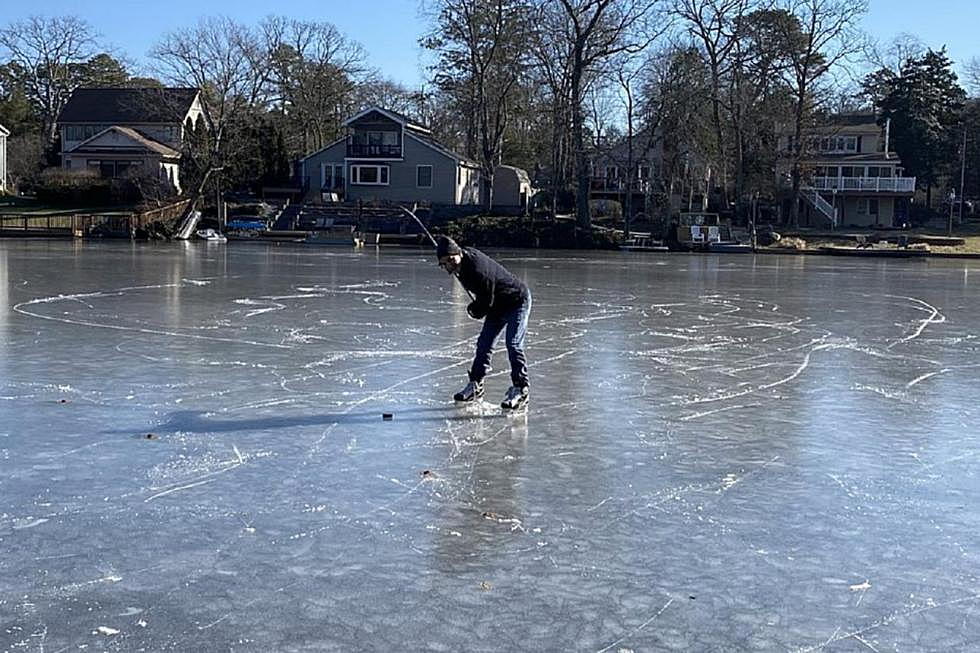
<point>496,291</point>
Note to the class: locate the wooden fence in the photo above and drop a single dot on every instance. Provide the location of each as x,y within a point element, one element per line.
<point>82,225</point>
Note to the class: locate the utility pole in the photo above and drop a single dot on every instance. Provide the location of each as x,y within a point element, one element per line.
<point>962,174</point>
<point>952,203</point>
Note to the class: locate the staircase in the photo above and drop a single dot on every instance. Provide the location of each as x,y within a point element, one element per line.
<point>825,208</point>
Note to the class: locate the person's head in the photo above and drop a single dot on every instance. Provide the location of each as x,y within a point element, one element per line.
<point>449,253</point>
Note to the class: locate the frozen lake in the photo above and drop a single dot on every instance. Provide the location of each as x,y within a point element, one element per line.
<point>721,453</point>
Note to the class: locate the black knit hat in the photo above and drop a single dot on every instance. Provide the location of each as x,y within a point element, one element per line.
<point>446,246</point>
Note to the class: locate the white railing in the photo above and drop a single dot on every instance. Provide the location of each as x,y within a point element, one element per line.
<point>821,204</point>
<point>869,184</point>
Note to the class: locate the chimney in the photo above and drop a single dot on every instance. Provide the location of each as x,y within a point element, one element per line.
<point>888,126</point>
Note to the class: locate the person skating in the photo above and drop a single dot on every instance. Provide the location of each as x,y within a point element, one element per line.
<point>502,301</point>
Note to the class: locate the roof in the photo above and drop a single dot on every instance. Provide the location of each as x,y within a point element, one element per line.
<point>836,124</point>
<point>324,148</point>
<point>439,147</point>
<point>142,139</point>
<point>4,131</point>
<point>520,173</point>
<point>400,118</point>
<point>833,159</point>
<point>853,119</point>
<point>128,105</point>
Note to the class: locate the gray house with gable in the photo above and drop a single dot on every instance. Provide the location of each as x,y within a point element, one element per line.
<point>388,157</point>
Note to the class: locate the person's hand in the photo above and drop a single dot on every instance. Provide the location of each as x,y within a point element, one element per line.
<point>476,311</point>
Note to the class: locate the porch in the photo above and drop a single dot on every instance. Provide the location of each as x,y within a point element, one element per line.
<point>865,184</point>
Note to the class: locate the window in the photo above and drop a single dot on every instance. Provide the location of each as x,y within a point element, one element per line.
<point>110,169</point>
<point>83,132</point>
<point>612,172</point>
<point>643,172</point>
<point>867,207</point>
<point>333,176</point>
<point>369,175</point>
<point>376,138</point>
<point>423,176</point>
<point>833,143</point>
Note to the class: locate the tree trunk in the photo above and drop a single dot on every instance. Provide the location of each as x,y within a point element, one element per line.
<point>794,213</point>
<point>582,216</point>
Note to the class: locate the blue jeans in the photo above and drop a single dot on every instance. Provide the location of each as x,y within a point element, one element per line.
<point>516,323</point>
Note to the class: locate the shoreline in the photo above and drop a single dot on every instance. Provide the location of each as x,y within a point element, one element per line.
<point>777,251</point>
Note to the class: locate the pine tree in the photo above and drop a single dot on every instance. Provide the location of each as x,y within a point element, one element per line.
<point>924,103</point>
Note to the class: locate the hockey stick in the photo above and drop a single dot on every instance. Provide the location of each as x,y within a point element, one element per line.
<point>411,213</point>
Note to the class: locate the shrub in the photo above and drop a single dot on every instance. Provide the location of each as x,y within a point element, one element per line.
<point>59,186</point>
<point>525,232</point>
<point>606,209</point>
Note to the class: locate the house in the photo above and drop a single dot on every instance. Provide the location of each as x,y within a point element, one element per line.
<point>849,177</point>
<point>116,130</point>
<point>512,189</point>
<point>388,157</point>
<point>4,133</point>
<point>611,177</point>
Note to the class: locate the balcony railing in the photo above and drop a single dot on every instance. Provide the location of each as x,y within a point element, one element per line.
<point>866,184</point>
<point>364,150</point>
<point>618,185</point>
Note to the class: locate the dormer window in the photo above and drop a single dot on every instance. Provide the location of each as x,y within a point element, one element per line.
<point>833,144</point>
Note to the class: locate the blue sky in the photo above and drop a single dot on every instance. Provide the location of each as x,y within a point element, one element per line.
<point>389,29</point>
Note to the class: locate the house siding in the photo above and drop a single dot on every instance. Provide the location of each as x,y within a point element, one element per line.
<point>312,169</point>
<point>402,179</point>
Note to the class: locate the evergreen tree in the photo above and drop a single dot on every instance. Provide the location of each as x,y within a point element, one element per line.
<point>924,104</point>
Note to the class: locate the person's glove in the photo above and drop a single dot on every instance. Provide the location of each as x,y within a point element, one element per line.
<point>476,311</point>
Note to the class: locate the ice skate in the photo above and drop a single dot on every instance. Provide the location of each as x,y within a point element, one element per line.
<point>515,398</point>
<point>472,392</point>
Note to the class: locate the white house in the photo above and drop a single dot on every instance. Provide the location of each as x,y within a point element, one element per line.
<point>115,130</point>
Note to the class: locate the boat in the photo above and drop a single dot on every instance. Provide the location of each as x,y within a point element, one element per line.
<point>704,232</point>
<point>876,252</point>
<point>245,228</point>
<point>211,236</point>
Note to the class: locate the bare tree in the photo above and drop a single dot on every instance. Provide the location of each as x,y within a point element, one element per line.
<point>972,76</point>
<point>818,35</point>
<point>597,30</point>
<point>551,50</point>
<point>714,25</point>
<point>314,72</point>
<point>678,123</point>
<point>229,63</point>
<point>481,48</point>
<point>638,136</point>
<point>45,51</point>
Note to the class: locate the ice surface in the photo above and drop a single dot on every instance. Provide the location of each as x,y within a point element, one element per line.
<point>722,453</point>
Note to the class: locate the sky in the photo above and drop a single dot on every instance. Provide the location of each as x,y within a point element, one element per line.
<point>389,29</point>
